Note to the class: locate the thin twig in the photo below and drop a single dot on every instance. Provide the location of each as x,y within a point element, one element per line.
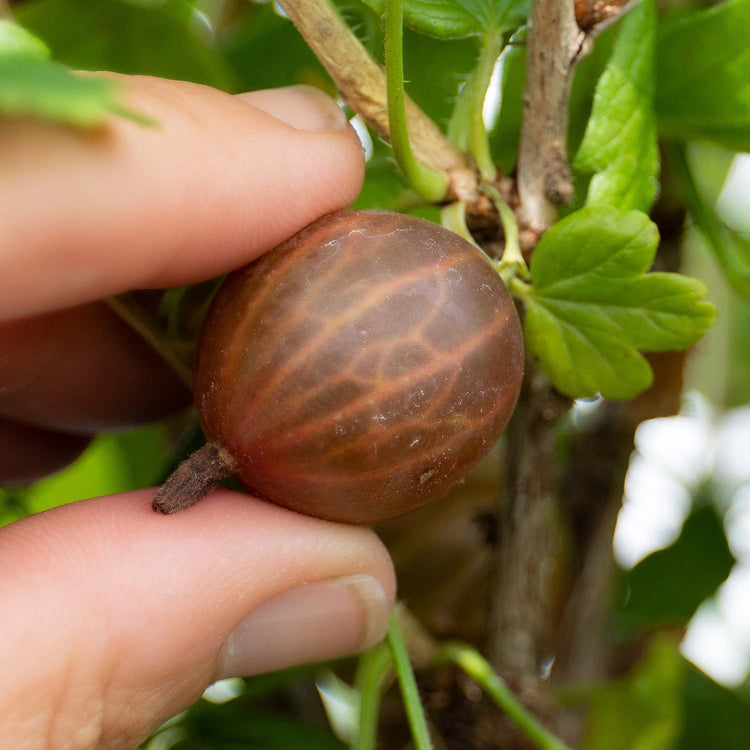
<point>362,84</point>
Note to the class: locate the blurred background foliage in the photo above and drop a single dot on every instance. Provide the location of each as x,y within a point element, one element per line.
<point>674,613</point>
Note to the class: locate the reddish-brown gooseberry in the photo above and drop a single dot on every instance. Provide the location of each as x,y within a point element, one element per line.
<point>356,372</point>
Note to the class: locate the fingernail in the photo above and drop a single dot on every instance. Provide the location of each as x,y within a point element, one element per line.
<point>302,107</point>
<point>323,620</point>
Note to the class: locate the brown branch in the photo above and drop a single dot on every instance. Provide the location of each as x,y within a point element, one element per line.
<point>361,83</point>
<point>529,554</point>
<point>528,562</point>
<point>555,44</point>
<point>561,33</point>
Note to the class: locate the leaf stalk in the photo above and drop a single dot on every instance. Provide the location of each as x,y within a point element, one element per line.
<point>428,182</point>
<point>512,263</point>
<point>479,144</point>
<point>408,686</point>
<point>474,664</point>
<point>372,672</point>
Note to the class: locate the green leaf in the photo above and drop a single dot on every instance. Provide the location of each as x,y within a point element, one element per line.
<point>667,587</point>
<point>444,19</point>
<point>642,711</point>
<point>241,725</point>
<point>434,87</point>
<point>112,463</point>
<point>260,38</point>
<point>16,41</point>
<point>585,80</point>
<point>620,140</point>
<point>125,37</point>
<point>497,15</point>
<point>703,72</point>
<point>43,88</point>
<point>452,19</point>
<point>715,717</point>
<point>593,304</point>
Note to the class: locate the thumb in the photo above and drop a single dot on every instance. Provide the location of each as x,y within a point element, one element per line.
<point>116,618</point>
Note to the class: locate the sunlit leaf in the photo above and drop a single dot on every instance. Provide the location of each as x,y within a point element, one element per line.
<point>17,41</point>
<point>594,305</point>
<point>619,145</point>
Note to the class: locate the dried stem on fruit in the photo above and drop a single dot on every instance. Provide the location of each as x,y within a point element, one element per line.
<point>194,479</point>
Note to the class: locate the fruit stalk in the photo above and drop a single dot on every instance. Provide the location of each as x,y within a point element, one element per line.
<point>193,479</point>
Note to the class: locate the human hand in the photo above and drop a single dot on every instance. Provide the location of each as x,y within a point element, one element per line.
<point>115,618</point>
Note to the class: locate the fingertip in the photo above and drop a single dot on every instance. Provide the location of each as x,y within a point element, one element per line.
<point>214,185</point>
<point>165,604</point>
<point>302,107</point>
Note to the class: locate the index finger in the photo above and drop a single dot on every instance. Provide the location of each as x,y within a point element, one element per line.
<point>218,181</point>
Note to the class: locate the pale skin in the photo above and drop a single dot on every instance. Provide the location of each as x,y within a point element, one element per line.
<point>115,618</point>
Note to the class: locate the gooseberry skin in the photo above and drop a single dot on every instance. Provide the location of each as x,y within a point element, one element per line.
<point>360,369</point>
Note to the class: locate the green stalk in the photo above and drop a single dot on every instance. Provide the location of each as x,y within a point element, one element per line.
<point>372,672</point>
<point>453,217</point>
<point>512,263</point>
<point>479,143</point>
<point>430,183</point>
<point>466,128</point>
<point>520,288</point>
<point>408,685</point>
<point>474,664</point>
